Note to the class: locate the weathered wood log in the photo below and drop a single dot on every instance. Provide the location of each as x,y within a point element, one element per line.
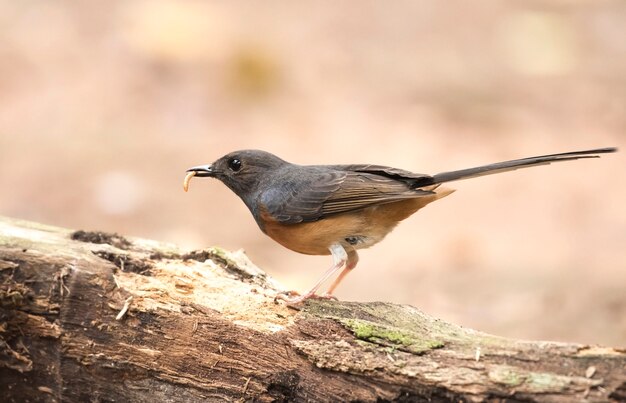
<point>89,316</point>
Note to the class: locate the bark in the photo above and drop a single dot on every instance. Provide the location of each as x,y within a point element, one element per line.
<point>89,316</point>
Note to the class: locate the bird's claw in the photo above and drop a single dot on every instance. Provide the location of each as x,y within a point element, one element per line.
<point>295,298</point>
<point>288,296</point>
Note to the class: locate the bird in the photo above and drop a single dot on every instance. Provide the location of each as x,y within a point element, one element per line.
<point>338,209</point>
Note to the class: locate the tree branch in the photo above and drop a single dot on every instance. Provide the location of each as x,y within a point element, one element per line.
<point>93,316</point>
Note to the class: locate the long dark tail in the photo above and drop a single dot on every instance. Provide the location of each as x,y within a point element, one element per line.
<point>511,165</point>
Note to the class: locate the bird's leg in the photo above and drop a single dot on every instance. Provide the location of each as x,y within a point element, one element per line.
<point>353,259</point>
<point>340,257</point>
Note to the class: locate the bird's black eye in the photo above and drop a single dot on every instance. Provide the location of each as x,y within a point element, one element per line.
<point>234,164</point>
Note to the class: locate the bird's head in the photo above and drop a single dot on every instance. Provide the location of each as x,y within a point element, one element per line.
<point>241,171</point>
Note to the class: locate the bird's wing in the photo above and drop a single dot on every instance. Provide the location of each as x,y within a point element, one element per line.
<point>338,189</point>
<point>388,172</point>
<point>371,190</point>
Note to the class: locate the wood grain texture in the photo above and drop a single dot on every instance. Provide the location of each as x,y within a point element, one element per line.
<point>203,326</point>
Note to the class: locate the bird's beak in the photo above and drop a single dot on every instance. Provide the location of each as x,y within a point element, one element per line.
<point>202,171</point>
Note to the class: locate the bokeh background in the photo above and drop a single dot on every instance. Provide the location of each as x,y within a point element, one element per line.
<point>103,105</point>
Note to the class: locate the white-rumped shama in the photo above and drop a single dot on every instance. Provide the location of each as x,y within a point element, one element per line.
<point>338,209</point>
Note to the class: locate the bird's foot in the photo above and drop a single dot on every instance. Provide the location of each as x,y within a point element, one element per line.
<point>290,297</point>
<point>326,296</point>
<point>294,298</point>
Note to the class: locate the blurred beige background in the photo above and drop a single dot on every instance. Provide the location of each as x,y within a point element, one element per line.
<point>103,105</point>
